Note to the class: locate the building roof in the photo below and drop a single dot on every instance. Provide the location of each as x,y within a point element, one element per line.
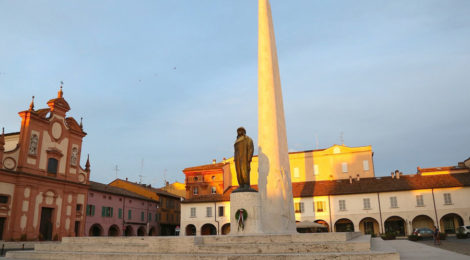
<point>363,185</point>
<point>211,166</point>
<point>148,187</point>
<point>379,184</point>
<point>96,186</point>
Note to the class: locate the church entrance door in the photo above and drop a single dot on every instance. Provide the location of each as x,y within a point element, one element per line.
<point>45,229</point>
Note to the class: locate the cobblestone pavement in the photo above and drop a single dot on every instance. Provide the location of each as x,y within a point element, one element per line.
<point>461,246</point>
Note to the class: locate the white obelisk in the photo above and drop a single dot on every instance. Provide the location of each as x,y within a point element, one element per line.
<point>275,188</point>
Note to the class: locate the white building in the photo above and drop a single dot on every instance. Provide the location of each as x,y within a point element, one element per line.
<point>398,203</point>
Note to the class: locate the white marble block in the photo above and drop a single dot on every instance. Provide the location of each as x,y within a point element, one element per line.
<point>249,201</point>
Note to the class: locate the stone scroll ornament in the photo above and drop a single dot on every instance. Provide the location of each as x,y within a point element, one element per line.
<point>241,215</point>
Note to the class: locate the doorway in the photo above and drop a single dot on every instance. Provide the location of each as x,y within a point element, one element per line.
<point>45,228</point>
<point>2,224</point>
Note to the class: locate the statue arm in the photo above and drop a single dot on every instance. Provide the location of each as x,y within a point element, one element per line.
<point>250,149</point>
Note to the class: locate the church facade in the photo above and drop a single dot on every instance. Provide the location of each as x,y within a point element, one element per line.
<point>43,188</point>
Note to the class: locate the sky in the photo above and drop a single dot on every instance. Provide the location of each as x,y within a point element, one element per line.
<point>163,85</point>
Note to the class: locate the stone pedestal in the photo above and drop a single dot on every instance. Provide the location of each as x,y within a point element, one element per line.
<point>249,201</point>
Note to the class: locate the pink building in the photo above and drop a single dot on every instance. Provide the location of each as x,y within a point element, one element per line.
<point>112,211</point>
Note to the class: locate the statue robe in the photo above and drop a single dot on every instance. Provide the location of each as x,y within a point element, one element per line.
<point>243,154</point>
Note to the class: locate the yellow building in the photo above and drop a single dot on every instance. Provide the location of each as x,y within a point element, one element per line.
<point>333,163</point>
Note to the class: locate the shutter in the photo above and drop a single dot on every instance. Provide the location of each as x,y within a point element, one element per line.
<point>103,211</point>
<point>92,210</point>
<point>111,212</point>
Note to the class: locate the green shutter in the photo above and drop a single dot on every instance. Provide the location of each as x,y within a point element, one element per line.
<point>129,216</point>
<point>142,216</point>
<point>150,217</point>
<point>92,210</point>
<point>112,212</point>
<point>88,207</point>
<point>120,213</point>
<point>103,211</point>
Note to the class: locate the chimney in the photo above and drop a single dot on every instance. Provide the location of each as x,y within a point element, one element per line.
<point>397,174</point>
<point>350,179</point>
<point>358,178</point>
<point>393,175</point>
<point>213,161</point>
<point>126,179</point>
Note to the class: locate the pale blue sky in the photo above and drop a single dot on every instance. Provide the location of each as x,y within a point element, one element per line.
<point>391,74</point>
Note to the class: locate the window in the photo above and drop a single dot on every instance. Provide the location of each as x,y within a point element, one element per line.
<point>195,178</point>
<point>315,170</point>
<point>120,213</point>
<point>106,212</point>
<point>52,166</point>
<point>213,190</point>
<point>195,190</point>
<point>365,165</point>
<point>299,207</point>
<point>193,212</point>
<point>342,205</point>
<point>296,172</point>
<point>90,210</point>
<point>319,206</point>
<point>419,201</point>
<point>344,167</point>
<point>366,202</point>
<point>393,202</point>
<point>3,199</point>
<point>208,211</point>
<point>79,207</point>
<point>156,217</point>
<point>142,216</point>
<point>129,214</point>
<point>447,199</point>
<point>221,211</point>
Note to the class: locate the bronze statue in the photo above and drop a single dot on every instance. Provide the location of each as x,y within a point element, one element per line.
<point>243,154</point>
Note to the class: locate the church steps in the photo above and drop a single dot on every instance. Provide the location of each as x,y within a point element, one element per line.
<point>210,248</point>
<point>145,256</point>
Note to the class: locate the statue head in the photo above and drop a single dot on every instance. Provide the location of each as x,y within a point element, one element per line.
<point>241,131</point>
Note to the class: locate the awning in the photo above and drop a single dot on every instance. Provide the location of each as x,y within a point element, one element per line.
<point>308,224</point>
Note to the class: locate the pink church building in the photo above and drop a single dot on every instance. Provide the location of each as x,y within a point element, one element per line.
<point>112,211</point>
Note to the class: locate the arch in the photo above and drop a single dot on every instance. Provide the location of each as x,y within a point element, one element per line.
<point>96,230</point>
<point>141,231</point>
<point>396,225</point>
<point>324,223</point>
<point>190,230</point>
<point>129,231</point>
<point>422,221</point>
<point>344,225</point>
<point>113,231</point>
<point>208,229</point>
<point>226,229</point>
<point>450,223</point>
<point>369,226</point>
<point>153,231</point>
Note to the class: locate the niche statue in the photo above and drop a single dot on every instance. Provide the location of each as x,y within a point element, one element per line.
<point>243,154</point>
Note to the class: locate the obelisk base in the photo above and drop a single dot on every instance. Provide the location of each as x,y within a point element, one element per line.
<point>249,202</point>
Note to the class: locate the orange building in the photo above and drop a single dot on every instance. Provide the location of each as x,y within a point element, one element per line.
<point>43,189</point>
<point>206,179</point>
<point>169,204</point>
